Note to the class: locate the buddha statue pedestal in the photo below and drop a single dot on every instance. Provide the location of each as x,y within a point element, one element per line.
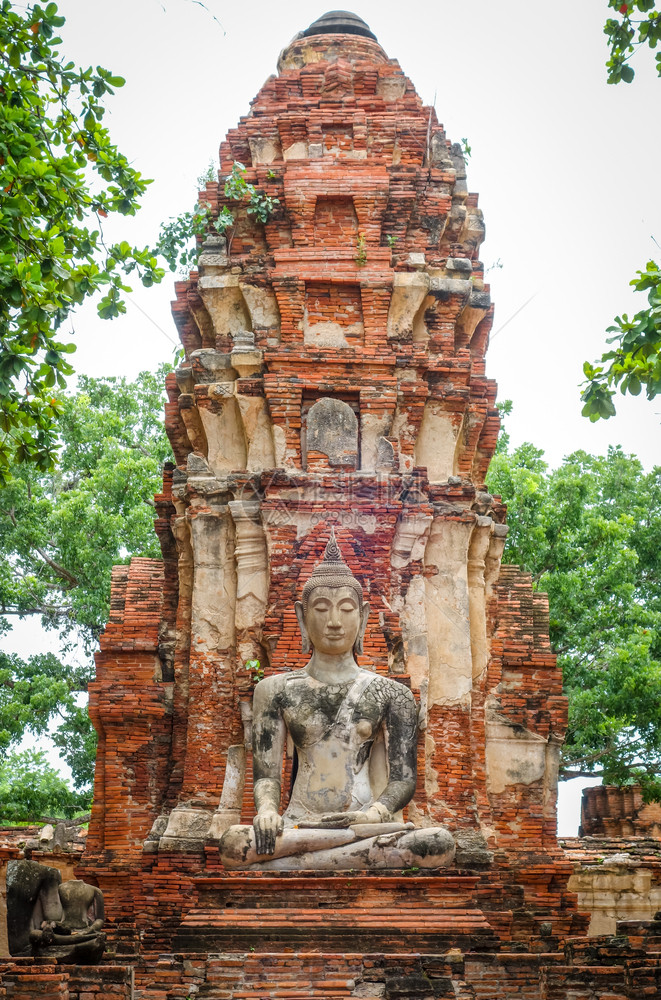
<point>374,913</point>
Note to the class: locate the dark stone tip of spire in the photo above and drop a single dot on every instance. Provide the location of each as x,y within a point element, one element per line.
<point>339,22</point>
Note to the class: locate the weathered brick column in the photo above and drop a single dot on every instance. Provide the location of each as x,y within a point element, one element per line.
<point>210,729</point>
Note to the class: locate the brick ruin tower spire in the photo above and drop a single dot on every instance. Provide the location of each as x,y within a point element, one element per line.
<point>334,375</point>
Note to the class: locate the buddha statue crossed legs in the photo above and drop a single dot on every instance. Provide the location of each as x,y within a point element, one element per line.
<point>355,737</point>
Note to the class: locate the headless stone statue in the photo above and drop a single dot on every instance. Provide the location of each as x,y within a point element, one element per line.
<point>355,737</point>
<point>59,920</point>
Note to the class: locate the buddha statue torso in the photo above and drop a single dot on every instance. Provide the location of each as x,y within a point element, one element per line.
<point>338,731</point>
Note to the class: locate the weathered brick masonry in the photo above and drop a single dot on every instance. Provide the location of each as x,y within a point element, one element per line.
<point>360,305</point>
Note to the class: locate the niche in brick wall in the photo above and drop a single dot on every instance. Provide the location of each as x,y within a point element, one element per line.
<point>335,222</point>
<point>333,315</point>
<point>330,431</point>
<point>338,139</point>
<point>293,139</point>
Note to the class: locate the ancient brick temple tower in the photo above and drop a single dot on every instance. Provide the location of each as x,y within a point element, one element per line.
<point>334,375</point>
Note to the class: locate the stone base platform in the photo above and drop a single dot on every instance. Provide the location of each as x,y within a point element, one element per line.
<point>608,968</point>
<point>29,979</point>
<point>185,904</point>
<point>422,927</point>
<point>509,931</point>
<point>384,912</point>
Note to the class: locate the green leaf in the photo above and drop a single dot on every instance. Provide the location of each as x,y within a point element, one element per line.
<point>630,365</point>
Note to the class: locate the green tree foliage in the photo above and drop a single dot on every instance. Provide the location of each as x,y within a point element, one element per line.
<point>31,789</point>
<point>639,24</point>
<point>60,176</point>
<point>60,535</point>
<point>177,241</point>
<point>635,359</point>
<point>589,532</point>
<point>42,696</point>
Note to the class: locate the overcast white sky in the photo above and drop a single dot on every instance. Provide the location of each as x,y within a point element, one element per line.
<point>567,169</point>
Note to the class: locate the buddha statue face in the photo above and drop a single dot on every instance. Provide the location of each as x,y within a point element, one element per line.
<point>333,619</point>
<point>332,614</point>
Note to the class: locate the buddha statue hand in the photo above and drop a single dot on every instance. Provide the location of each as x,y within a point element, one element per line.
<point>267,825</point>
<point>43,936</point>
<point>376,813</point>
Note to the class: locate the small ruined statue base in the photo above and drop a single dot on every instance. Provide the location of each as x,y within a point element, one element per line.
<point>77,952</point>
<point>364,847</point>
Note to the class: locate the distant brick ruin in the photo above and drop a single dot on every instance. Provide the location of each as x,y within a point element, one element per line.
<point>609,811</point>
<point>334,376</point>
<point>617,858</point>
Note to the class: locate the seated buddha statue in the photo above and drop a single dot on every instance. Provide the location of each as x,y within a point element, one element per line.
<point>53,919</point>
<point>355,738</point>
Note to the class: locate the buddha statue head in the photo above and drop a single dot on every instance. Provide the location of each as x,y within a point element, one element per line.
<point>331,613</point>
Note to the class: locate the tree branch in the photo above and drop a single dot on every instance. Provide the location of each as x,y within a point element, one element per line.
<point>591,758</point>
<point>138,447</point>
<point>38,610</point>
<point>568,775</point>
<point>60,570</point>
